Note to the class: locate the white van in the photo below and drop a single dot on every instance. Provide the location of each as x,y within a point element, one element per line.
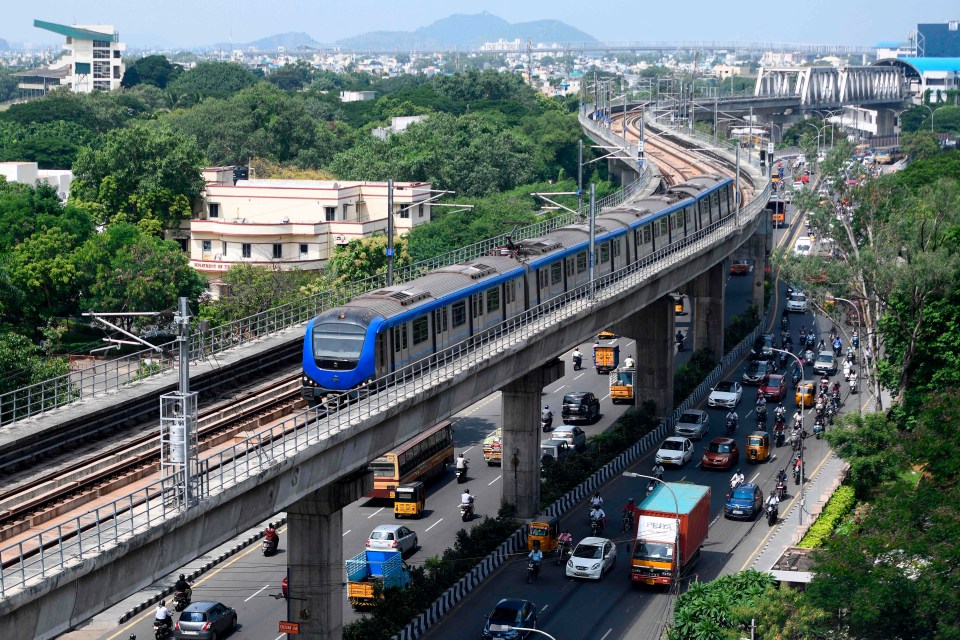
<point>802,246</point>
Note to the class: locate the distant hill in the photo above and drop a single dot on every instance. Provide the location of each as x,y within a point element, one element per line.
<point>467,31</point>
<point>288,41</point>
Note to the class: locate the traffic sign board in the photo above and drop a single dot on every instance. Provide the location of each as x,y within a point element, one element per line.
<point>293,628</point>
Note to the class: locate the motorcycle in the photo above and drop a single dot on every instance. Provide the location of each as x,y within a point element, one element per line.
<point>596,526</point>
<point>784,322</point>
<point>679,341</point>
<point>731,426</point>
<point>781,489</point>
<point>181,600</point>
<point>577,363</point>
<point>818,430</point>
<point>808,358</point>
<point>461,474</point>
<point>533,571</point>
<point>627,521</point>
<point>564,545</point>
<point>778,435</point>
<point>466,512</point>
<point>269,546</point>
<point>853,384</point>
<point>161,628</point>
<point>796,474</point>
<point>546,424</point>
<point>762,413</point>
<point>772,515</point>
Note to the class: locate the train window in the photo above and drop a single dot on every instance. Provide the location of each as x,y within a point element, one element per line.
<point>399,338</point>
<point>440,320</point>
<point>543,278</point>
<point>458,313</point>
<point>647,234</point>
<point>493,299</point>
<point>571,268</point>
<point>556,273</point>
<point>617,247</point>
<point>476,304</point>
<point>421,330</point>
<point>581,262</point>
<point>604,252</point>
<point>678,221</point>
<point>510,292</point>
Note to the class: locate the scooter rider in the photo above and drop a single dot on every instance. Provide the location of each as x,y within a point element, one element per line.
<point>461,462</point>
<point>466,498</point>
<point>577,358</point>
<point>733,418</point>
<point>658,471</point>
<point>536,557</point>
<point>780,411</point>
<point>736,480</point>
<point>774,502</point>
<point>183,586</point>
<point>596,501</point>
<point>271,536</point>
<point>628,362</point>
<point>162,615</point>
<point>546,416</point>
<point>597,515</point>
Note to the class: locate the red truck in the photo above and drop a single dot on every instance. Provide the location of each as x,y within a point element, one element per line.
<point>655,560</point>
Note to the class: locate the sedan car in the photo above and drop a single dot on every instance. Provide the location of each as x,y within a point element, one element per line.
<point>762,347</point>
<point>389,537</point>
<point>726,394</point>
<point>739,267</point>
<point>721,453</point>
<point>797,302</point>
<point>591,558</point>
<point>774,387</point>
<point>757,370</point>
<point>575,436</point>
<point>676,451</point>
<point>580,406</point>
<point>509,613</point>
<point>205,619</point>
<point>694,423</point>
<point>744,502</point>
<point>825,364</point>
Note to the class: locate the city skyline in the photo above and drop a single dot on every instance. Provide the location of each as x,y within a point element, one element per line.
<point>241,21</point>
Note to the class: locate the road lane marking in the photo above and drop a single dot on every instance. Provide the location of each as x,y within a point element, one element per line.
<point>604,397</point>
<point>544,608</point>
<point>346,532</point>
<point>467,449</point>
<point>578,377</point>
<point>375,513</point>
<point>629,344</point>
<point>494,480</point>
<point>255,594</point>
<point>606,634</point>
<point>433,525</point>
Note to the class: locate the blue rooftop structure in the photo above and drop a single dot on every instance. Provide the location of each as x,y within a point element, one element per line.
<point>924,65</point>
<point>660,499</point>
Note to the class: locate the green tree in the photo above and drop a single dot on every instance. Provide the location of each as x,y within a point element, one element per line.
<point>251,289</point>
<point>41,269</point>
<point>52,145</point>
<point>144,173</point>
<point>26,209</point>
<point>210,80</point>
<point>153,70</point>
<point>22,363</point>
<point>292,77</point>
<point>920,144</point>
<point>365,257</point>
<point>708,610</point>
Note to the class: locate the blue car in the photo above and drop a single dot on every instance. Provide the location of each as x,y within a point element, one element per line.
<point>745,502</point>
<point>509,613</point>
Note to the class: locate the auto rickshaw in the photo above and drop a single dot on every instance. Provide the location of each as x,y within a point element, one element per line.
<point>758,447</point>
<point>806,394</point>
<point>606,334</point>
<point>545,530</point>
<point>410,500</point>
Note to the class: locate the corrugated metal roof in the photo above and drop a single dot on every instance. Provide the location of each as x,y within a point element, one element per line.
<point>660,499</point>
<point>925,65</point>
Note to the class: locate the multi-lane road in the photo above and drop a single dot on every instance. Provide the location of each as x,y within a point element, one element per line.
<point>250,582</point>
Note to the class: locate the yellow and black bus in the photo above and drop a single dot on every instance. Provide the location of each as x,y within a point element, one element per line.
<point>421,458</point>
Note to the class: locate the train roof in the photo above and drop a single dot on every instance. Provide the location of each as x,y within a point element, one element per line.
<point>697,185</point>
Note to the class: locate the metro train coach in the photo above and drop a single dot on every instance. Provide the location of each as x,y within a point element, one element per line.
<point>383,330</point>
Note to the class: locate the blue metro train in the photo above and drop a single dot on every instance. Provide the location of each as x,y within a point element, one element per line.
<point>380,331</point>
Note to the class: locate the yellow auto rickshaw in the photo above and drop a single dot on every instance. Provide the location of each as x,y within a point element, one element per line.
<point>410,500</point>
<point>606,334</point>
<point>545,530</point>
<point>758,447</point>
<point>806,394</point>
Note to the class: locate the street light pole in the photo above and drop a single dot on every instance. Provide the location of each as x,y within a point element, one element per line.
<point>802,407</point>
<point>529,630</point>
<point>676,506</point>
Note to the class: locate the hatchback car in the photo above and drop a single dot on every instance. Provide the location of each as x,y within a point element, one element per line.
<point>825,364</point>
<point>802,246</point>
<point>721,453</point>
<point>774,387</point>
<point>592,558</point>
<point>744,502</point>
<point>797,303</point>
<point>762,347</point>
<point>675,451</point>
<point>509,613</point>
<point>739,267</point>
<point>575,436</point>
<point>580,406</point>
<point>726,394</point>
<point>390,537</point>
<point>693,423</point>
<point>205,619</point>
<point>757,371</point>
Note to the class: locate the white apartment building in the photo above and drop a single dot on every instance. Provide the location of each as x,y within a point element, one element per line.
<point>93,61</point>
<point>28,173</point>
<point>293,224</point>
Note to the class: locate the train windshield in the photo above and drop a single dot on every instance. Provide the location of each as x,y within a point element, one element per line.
<point>337,341</point>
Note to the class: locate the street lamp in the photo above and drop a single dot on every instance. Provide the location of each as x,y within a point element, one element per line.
<point>676,506</point>
<point>931,116</point>
<point>507,627</point>
<point>802,407</point>
<point>859,345</point>
<point>819,130</point>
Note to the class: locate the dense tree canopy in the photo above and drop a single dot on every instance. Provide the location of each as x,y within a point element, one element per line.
<point>152,70</point>
<point>210,80</point>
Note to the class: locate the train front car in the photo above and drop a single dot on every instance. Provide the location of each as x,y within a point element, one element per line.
<point>338,352</point>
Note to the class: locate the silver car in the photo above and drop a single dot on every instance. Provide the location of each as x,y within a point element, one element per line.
<point>694,423</point>
<point>206,620</point>
<point>392,537</point>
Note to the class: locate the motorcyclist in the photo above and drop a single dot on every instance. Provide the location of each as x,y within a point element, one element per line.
<point>774,502</point>
<point>822,345</point>
<point>183,586</point>
<point>780,411</point>
<point>271,536</point>
<point>461,462</point>
<point>855,340</point>
<point>657,471</point>
<point>629,511</point>
<point>732,418</point>
<point>836,387</point>
<point>837,346</point>
<point>629,362</point>
<point>466,498</point>
<point>597,515</point>
<point>868,354</point>
<point>846,369</point>
<point>162,615</point>
<point>577,357</point>
<point>736,480</point>
<point>596,502</point>
<point>547,416</point>
<point>679,338</point>
<point>536,556</point>
<point>808,356</point>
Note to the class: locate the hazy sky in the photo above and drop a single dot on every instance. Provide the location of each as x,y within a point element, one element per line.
<point>198,22</point>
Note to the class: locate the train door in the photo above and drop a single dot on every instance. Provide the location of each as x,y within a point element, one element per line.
<point>603,258</point>
<point>441,328</point>
<point>401,344</point>
<point>459,322</point>
<point>383,361</point>
<point>476,313</point>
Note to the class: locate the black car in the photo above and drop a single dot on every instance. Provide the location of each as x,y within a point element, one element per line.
<point>758,370</point>
<point>580,406</point>
<point>762,347</point>
<point>509,613</point>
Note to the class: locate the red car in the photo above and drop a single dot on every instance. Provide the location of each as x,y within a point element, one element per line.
<point>721,453</point>
<point>773,387</point>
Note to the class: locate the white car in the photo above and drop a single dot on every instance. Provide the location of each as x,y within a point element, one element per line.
<point>575,436</point>
<point>675,451</point>
<point>694,423</point>
<point>802,246</point>
<point>725,394</point>
<point>797,185</point>
<point>797,302</point>
<point>391,537</point>
<point>591,558</point>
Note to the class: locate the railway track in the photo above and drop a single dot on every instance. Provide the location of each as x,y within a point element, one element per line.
<point>41,498</point>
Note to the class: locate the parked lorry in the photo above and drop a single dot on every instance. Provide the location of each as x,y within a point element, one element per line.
<point>493,447</point>
<point>656,559</point>
<point>371,569</point>
<point>621,384</point>
<point>606,359</point>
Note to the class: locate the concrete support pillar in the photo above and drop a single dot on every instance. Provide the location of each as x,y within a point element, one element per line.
<point>521,438</point>
<point>315,557</point>
<point>653,330</point>
<point>709,289</point>
<point>758,252</point>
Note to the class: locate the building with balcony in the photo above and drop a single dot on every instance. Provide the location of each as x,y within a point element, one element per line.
<point>93,61</point>
<point>292,224</point>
